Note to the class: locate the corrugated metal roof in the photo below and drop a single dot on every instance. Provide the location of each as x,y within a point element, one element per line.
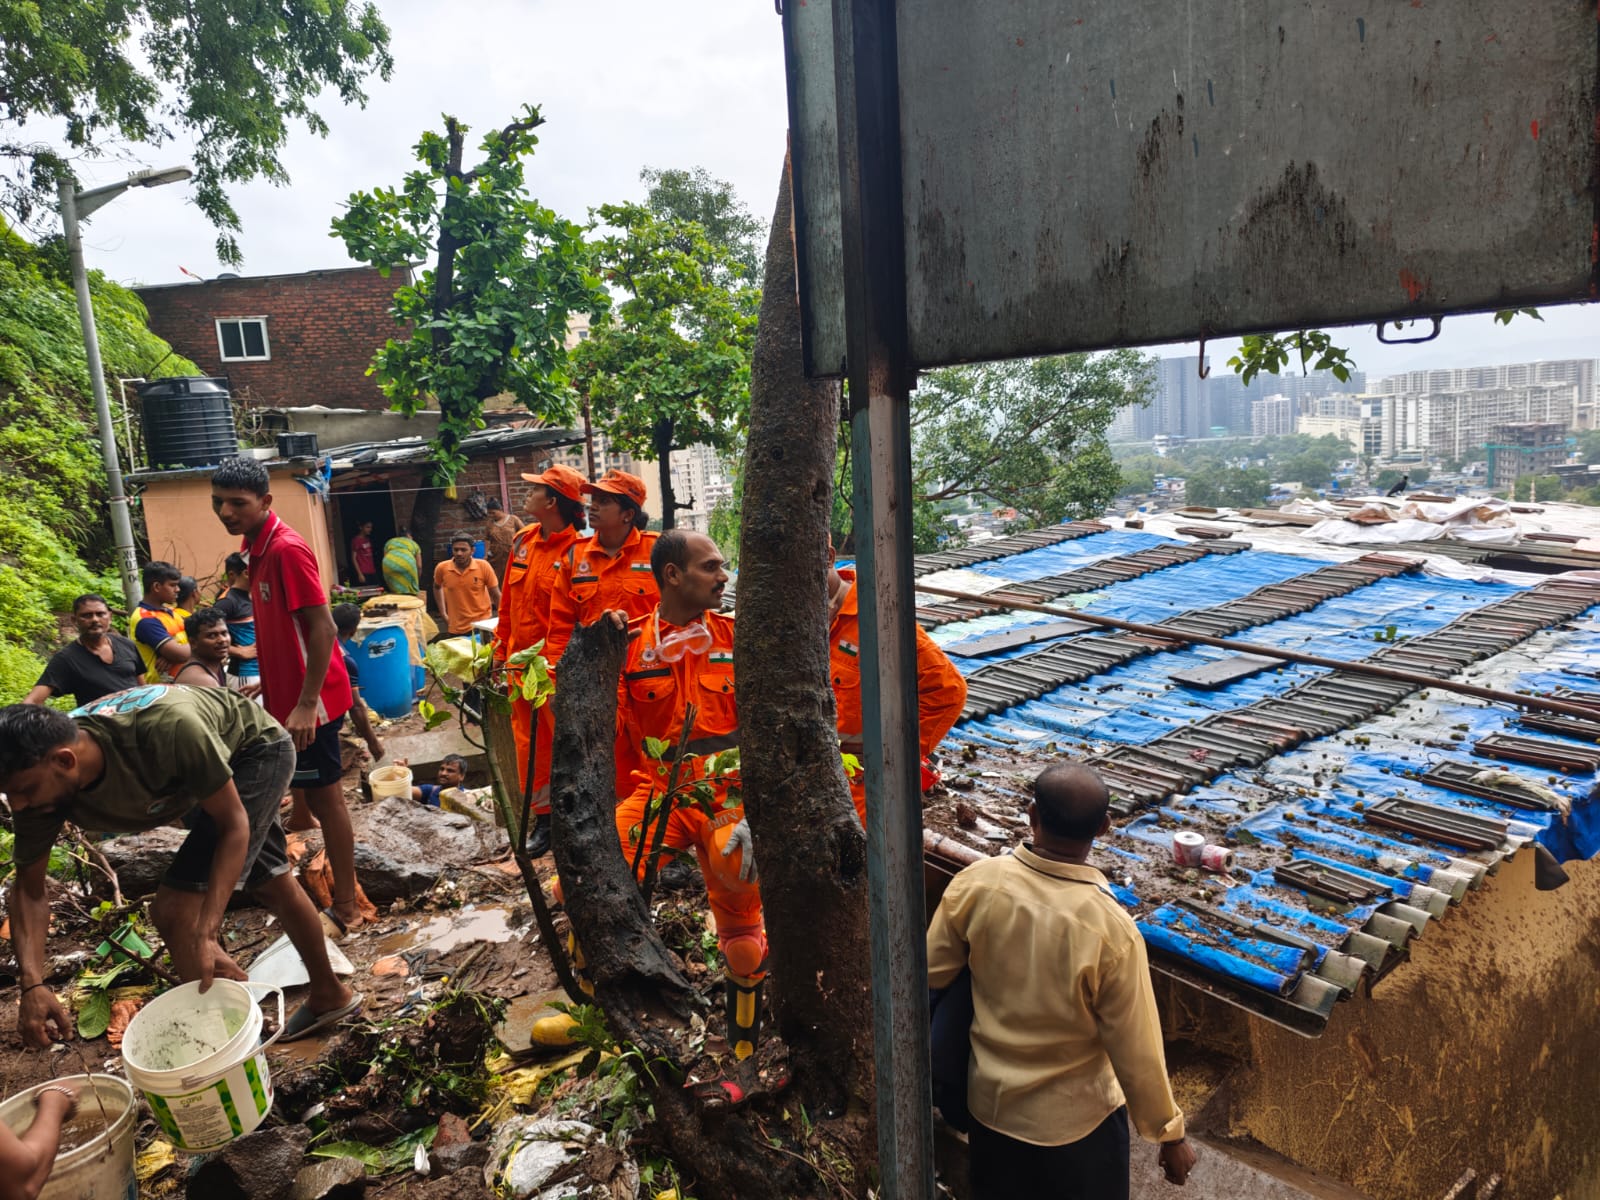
<point>405,451</point>
<point>1357,809</point>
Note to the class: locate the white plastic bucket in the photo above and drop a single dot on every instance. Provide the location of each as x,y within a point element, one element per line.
<point>101,1168</point>
<point>199,1061</point>
<point>390,781</point>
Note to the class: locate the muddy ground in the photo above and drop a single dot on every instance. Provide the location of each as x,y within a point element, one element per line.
<point>452,980</point>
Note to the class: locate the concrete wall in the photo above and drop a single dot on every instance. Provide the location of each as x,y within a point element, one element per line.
<point>184,531</point>
<point>1480,1052</point>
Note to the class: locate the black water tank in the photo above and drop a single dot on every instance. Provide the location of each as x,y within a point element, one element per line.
<point>188,421</point>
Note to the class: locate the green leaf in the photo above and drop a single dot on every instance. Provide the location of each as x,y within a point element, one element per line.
<point>94,1014</point>
<point>453,656</point>
<point>380,1160</point>
<point>656,748</point>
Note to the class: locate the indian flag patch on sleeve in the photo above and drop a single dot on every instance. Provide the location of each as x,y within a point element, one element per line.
<point>644,566</point>
<point>721,656</point>
<point>850,648</point>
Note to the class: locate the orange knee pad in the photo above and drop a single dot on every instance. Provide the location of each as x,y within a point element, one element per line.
<point>745,952</point>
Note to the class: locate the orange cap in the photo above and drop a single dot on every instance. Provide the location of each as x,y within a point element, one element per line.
<point>619,483</point>
<point>563,480</point>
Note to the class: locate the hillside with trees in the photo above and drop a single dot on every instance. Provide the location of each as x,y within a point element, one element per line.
<point>54,545</point>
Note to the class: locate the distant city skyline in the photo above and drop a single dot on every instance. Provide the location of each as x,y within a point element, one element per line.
<point>1470,340</point>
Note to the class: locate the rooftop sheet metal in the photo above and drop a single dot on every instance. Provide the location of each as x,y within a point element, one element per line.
<point>1356,810</point>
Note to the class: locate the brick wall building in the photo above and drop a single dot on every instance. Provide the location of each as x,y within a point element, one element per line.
<point>283,340</point>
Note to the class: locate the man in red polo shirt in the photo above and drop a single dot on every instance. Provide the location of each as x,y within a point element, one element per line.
<point>303,682</point>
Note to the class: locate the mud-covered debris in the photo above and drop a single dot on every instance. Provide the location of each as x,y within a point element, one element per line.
<point>558,1159</point>
<point>330,1179</point>
<point>260,1166</point>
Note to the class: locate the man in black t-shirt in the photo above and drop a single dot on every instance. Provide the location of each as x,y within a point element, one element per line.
<point>98,663</point>
<point>234,605</point>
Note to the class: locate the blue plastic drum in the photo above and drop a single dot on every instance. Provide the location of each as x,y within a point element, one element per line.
<point>384,661</point>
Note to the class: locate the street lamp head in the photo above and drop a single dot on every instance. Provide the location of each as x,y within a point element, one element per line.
<point>154,177</point>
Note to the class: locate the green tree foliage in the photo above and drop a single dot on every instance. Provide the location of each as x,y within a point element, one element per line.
<point>1540,487</point>
<point>491,314</point>
<point>1589,446</point>
<point>669,366</point>
<point>1313,349</point>
<point>1027,433</point>
<point>1136,480</point>
<point>1308,470</point>
<point>697,197</point>
<point>233,76</point>
<point>1389,476</point>
<point>1228,487</point>
<point>1309,349</point>
<point>52,485</point>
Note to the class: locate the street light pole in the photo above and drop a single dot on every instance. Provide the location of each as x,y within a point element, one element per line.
<point>73,205</point>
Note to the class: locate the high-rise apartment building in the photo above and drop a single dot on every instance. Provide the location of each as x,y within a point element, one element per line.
<point>1576,373</point>
<point>1273,416</point>
<point>701,477</point>
<point>1530,448</point>
<point>1457,425</point>
<point>1182,405</point>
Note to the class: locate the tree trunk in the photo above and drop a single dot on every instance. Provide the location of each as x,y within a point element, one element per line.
<point>809,843</point>
<point>631,967</point>
<point>638,982</point>
<point>661,436</point>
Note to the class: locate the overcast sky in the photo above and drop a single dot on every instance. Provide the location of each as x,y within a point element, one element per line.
<point>623,84</point>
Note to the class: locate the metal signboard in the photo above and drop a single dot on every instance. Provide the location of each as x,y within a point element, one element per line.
<point>1128,172</point>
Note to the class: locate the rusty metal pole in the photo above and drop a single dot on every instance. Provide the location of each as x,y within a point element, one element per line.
<point>880,380</point>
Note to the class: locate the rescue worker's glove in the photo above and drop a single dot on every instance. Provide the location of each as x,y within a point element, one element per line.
<point>739,839</point>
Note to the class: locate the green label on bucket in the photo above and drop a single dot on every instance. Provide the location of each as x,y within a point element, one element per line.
<point>158,1105</point>
<point>256,1091</point>
<point>228,1107</point>
<point>204,1119</point>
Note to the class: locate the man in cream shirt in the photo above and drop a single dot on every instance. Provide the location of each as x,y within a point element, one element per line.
<point>1066,1041</point>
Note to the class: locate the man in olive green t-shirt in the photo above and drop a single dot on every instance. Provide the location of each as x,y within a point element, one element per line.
<point>147,757</point>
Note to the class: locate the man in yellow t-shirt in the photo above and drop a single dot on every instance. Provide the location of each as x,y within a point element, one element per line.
<point>156,627</point>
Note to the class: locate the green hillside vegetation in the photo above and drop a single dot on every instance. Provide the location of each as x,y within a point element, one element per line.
<point>54,533</point>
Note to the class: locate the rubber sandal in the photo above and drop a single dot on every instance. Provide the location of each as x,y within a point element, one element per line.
<point>304,1023</point>
<point>332,927</point>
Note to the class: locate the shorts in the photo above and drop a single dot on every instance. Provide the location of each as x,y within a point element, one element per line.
<point>322,762</point>
<point>261,775</point>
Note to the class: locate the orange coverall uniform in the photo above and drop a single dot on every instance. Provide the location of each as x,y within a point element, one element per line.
<point>941,692</point>
<point>651,698</point>
<point>589,582</point>
<point>524,620</point>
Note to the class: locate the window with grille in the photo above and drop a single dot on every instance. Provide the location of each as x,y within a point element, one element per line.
<point>243,339</point>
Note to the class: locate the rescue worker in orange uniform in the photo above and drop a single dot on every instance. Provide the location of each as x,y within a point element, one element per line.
<point>555,507</point>
<point>681,654</point>
<point>941,691</point>
<point>610,569</point>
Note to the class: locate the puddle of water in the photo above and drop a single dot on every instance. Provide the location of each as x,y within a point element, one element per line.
<point>305,1052</point>
<point>448,930</point>
<point>516,1028</point>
